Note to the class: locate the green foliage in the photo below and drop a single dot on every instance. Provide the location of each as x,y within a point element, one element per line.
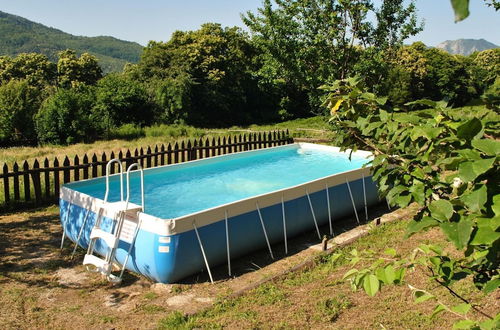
<point>445,163</point>
<point>19,35</point>
<point>419,72</point>
<point>18,103</point>
<point>306,43</point>
<point>203,77</point>
<point>120,100</point>
<point>72,70</point>
<point>65,117</point>
<point>36,69</point>
<point>126,132</point>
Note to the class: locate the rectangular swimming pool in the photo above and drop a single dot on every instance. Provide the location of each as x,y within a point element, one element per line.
<point>238,203</point>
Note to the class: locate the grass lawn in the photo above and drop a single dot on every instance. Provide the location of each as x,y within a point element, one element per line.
<point>314,127</point>
<point>40,287</point>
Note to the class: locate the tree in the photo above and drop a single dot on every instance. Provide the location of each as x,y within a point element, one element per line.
<point>65,117</point>
<point>309,42</point>
<point>18,103</point>
<point>73,70</point>
<point>119,101</point>
<point>34,68</point>
<point>213,67</point>
<point>419,72</point>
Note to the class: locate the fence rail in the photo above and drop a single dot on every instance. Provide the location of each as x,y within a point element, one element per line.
<point>39,183</point>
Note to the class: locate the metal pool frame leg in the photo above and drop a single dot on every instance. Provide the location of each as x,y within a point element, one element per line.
<point>284,222</point>
<point>66,221</point>
<point>136,233</point>
<point>352,200</point>
<point>203,252</point>
<point>80,233</point>
<point>264,229</point>
<point>227,245</point>
<point>314,215</point>
<point>364,197</point>
<point>329,212</point>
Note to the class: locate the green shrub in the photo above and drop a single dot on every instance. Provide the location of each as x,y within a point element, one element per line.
<point>127,132</point>
<point>65,117</point>
<point>174,131</point>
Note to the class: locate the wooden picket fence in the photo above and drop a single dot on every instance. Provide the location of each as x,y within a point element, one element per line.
<point>39,183</point>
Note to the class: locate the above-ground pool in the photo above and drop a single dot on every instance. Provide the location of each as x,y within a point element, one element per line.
<point>206,212</point>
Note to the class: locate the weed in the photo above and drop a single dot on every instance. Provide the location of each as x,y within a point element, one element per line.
<point>150,295</point>
<point>152,309</point>
<point>176,320</point>
<point>333,307</point>
<point>268,294</point>
<point>108,319</point>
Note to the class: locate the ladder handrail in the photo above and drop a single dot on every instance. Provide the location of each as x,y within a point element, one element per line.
<point>139,167</point>
<point>108,165</point>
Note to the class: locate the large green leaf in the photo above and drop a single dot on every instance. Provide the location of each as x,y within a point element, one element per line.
<point>371,285</point>
<point>496,204</point>
<point>475,200</point>
<point>469,129</point>
<point>492,285</point>
<point>441,209</point>
<point>458,232</point>
<point>488,146</point>
<point>485,234</point>
<point>416,226</point>
<point>469,171</point>
<point>461,9</point>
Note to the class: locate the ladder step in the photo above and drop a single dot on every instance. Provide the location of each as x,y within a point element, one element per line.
<point>116,207</point>
<point>110,239</point>
<point>101,264</point>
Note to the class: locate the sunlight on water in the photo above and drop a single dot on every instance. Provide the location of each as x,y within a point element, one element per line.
<point>171,194</point>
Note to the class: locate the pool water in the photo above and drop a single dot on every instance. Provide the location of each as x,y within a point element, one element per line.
<point>173,192</point>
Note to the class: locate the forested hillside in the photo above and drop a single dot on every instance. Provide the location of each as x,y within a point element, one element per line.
<point>19,35</point>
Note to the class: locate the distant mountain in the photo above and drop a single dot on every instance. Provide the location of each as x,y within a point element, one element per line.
<point>19,35</point>
<point>466,46</point>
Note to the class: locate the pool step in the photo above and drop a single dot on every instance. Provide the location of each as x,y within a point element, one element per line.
<point>118,211</point>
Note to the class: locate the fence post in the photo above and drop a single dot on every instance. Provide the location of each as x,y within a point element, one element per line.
<point>66,171</point>
<point>35,176</point>
<point>26,177</point>
<point>46,177</point>
<point>148,157</point>
<point>156,155</point>
<point>56,177</point>
<point>94,165</point>
<point>162,154</point>
<point>141,157</point>
<point>76,172</point>
<point>104,160</point>
<point>6,187</point>
<point>85,161</point>
<point>112,167</point>
<point>189,150</point>
<point>128,156</point>
<point>176,153</point>
<point>169,154</point>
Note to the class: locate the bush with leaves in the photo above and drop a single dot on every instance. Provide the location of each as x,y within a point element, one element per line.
<point>446,162</point>
<point>18,104</point>
<point>65,117</point>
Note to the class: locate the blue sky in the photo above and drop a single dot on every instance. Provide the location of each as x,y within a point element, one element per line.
<point>146,20</point>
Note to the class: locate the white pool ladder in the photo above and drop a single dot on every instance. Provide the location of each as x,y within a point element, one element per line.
<point>120,210</point>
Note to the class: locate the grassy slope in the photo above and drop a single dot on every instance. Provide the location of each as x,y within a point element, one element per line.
<point>319,299</point>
